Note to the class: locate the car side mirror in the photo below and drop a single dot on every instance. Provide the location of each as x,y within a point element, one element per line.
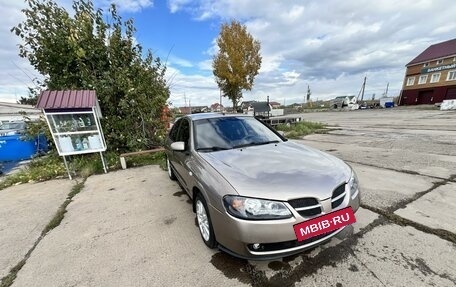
<point>282,133</point>
<point>178,146</point>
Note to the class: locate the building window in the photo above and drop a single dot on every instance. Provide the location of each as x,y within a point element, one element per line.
<point>438,62</point>
<point>422,79</point>
<point>410,81</point>
<point>435,78</point>
<point>426,64</point>
<point>451,75</point>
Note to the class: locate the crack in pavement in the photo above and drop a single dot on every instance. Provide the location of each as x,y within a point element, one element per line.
<point>412,172</point>
<point>394,218</point>
<point>364,265</point>
<point>403,203</point>
<point>421,266</point>
<point>8,280</point>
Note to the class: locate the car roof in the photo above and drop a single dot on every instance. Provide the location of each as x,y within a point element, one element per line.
<point>201,116</point>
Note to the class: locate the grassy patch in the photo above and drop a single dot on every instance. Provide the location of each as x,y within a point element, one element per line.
<point>60,214</point>
<point>157,158</point>
<point>300,129</point>
<point>52,166</point>
<point>39,169</point>
<point>9,279</point>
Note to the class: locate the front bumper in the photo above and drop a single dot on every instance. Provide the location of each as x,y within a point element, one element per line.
<point>276,237</point>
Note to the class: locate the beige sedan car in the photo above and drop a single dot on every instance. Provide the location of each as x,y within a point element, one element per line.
<point>250,186</point>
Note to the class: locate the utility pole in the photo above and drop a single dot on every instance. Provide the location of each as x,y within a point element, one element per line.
<point>362,88</point>
<point>220,102</point>
<point>386,92</point>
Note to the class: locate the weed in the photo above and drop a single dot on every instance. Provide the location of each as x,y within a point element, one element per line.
<point>300,129</point>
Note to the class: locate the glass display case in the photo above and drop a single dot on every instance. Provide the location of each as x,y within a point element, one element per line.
<point>76,132</point>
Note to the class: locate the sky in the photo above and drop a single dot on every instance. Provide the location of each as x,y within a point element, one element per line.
<point>329,46</point>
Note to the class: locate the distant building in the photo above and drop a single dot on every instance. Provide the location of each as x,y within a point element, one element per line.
<point>245,105</point>
<point>275,105</point>
<point>216,107</point>
<point>431,77</point>
<point>194,109</point>
<point>14,112</point>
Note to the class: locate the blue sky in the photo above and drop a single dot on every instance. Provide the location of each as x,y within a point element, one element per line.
<point>330,45</point>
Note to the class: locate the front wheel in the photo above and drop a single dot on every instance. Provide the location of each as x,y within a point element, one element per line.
<point>204,222</point>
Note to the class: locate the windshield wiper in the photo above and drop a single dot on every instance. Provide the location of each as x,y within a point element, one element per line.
<point>211,148</point>
<point>255,143</point>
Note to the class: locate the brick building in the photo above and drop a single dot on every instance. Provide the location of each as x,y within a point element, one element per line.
<point>431,77</point>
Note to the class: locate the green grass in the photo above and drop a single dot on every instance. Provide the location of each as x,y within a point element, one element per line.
<point>52,166</point>
<point>300,129</point>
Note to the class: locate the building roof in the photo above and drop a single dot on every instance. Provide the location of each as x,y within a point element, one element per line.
<point>13,112</point>
<point>260,107</point>
<point>68,99</point>
<point>439,50</point>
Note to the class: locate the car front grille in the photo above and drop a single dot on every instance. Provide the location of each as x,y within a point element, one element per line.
<point>265,247</point>
<point>338,196</point>
<point>307,206</point>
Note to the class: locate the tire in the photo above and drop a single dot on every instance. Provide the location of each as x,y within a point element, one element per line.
<point>204,222</point>
<point>171,174</point>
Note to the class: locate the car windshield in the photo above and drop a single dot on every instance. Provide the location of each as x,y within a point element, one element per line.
<point>231,132</point>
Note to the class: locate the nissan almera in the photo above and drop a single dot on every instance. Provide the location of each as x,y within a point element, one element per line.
<point>249,185</point>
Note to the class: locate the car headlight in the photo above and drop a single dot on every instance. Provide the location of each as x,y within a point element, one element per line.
<point>254,208</point>
<point>353,184</point>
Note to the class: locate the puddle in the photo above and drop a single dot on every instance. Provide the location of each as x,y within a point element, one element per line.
<point>279,265</point>
<point>232,267</point>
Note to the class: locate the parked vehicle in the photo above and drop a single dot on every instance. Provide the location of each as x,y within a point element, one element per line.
<point>250,186</point>
<point>12,128</point>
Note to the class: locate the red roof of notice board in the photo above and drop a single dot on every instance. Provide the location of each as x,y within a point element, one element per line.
<point>68,99</point>
<point>439,50</point>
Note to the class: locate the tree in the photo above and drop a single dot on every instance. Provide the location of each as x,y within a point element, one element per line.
<point>81,50</point>
<point>237,62</point>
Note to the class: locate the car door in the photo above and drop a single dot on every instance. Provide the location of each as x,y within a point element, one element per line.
<point>182,157</point>
<point>172,137</point>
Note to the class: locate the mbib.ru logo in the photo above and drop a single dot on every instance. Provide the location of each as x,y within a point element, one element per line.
<point>324,224</point>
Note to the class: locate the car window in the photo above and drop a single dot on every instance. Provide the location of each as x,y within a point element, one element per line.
<point>12,126</point>
<point>184,132</point>
<point>230,132</point>
<point>174,130</point>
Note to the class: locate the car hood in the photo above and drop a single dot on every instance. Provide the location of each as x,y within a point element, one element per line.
<point>280,171</point>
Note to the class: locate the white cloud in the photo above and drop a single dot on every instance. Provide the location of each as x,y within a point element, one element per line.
<point>205,65</point>
<point>16,74</point>
<point>330,45</point>
<point>174,60</point>
<point>193,89</point>
<point>127,5</point>
<point>333,44</point>
<point>175,5</point>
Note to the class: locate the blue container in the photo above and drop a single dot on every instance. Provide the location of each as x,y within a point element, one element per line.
<point>12,148</point>
<point>389,104</point>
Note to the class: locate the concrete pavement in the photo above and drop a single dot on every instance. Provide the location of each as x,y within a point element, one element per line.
<point>125,228</point>
<point>24,212</point>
